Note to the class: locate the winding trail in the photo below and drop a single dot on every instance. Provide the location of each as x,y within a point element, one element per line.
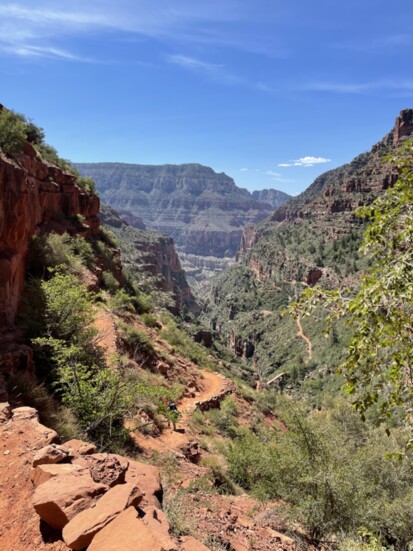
<point>304,337</point>
<point>169,440</point>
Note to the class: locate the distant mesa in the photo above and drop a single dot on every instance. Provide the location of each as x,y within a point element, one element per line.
<point>205,212</point>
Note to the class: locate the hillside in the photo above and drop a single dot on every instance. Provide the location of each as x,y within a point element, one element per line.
<point>313,238</point>
<point>203,211</point>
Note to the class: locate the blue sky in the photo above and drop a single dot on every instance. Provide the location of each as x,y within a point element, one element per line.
<point>271,92</point>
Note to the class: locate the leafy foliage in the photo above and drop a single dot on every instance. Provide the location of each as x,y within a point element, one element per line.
<point>12,132</point>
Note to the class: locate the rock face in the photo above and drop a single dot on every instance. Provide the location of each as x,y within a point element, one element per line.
<point>203,211</point>
<point>35,196</point>
<point>328,204</point>
<point>273,197</point>
<point>154,255</point>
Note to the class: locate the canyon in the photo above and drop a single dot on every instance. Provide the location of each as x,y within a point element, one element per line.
<point>203,211</point>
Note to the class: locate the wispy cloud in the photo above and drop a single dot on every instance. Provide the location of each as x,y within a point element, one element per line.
<point>216,72</point>
<point>361,87</point>
<point>306,161</point>
<point>387,45</point>
<point>277,177</point>
<point>243,169</point>
<point>38,51</point>
<point>24,26</point>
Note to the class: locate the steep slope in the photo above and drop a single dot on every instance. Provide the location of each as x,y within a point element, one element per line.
<point>152,255</point>
<point>203,211</point>
<point>314,237</point>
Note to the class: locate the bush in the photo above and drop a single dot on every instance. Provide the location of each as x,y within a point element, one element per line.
<point>150,320</point>
<point>121,302</point>
<point>87,184</point>
<point>184,344</point>
<point>110,282</point>
<point>137,340</point>
<point>332,469</point>
<point>12,132</point>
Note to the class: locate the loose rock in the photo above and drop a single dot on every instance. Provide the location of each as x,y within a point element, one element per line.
<point>79,532</point>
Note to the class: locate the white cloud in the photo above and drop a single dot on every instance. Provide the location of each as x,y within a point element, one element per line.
<point>306,161</point>
<point>274,174</point>
<point>243,169</point>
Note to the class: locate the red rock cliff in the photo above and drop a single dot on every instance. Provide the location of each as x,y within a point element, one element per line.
<point>35,196</point>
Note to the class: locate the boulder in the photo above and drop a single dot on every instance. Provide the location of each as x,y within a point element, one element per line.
<point>107,468</point>
<point>43,473</point>
<point>78,447</point>
<point>79,532</point>
<point>148,479</point>
<point>191,544</point>
<point>63,497</point>
<point>5,412</point>
<point>25,413</point>
<point>51,454</point>
<point>128,533</point>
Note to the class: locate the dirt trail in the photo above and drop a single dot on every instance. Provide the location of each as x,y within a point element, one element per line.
<point>169,440</point>
<point>107,332</point>
<point>303,336</point>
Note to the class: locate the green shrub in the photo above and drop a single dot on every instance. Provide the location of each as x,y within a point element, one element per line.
<point>88,184</point>
<point>110,282</point>
<point>121,302</point>
<point>137,340</point>
<point>149,320</point>
<point>332,469</point>
<point>184,344</point>
<point>12,132</point>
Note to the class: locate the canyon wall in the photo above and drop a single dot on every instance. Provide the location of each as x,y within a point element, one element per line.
<point>35,197</point>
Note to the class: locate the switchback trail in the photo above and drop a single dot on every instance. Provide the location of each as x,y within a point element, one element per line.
<point>170,440</point>
<point>303,336</point>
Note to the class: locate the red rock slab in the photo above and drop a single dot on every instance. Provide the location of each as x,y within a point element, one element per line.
<point>79,532</point>
<point>156,520</point>
<point>50,455</point>
<point>78,447</point>
<point>61,498</point>
<point>128,533</point>
<point>43,473</point>
<point>148,479</point>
